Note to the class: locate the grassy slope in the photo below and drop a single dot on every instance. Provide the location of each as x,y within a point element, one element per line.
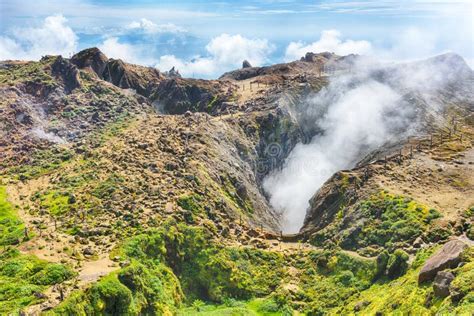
<point>22,277</point>
<point>11,227</point>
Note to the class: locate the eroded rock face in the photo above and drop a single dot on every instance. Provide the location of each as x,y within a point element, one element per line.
<point>67,72</point>
<point>449,256</point>
<point>327,202</point>
<point>92,59</point>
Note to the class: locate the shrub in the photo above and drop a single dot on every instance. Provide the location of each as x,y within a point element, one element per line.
<point>382,261</point>
<point>346,278</point>
<point>397,264</point>
<point>52,274</point>
<point>11,227</point>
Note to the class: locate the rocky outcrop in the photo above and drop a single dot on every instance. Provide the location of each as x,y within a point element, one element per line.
<point>172,73</point>
<point>177,95</point>
<point>339,190</point>
<point>91,59</point>
<point>67,73</point>
<point>246,64</point>
<point>119,73</point>
<point>449,256</point>
<point>128,76</point>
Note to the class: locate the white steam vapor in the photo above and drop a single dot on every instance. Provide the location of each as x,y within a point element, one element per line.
<point>42,134</point>
<point>355,115</point>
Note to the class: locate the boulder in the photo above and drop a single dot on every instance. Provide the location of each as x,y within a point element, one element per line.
<point>246,64</point>
<point>441,283</point>
<point>449,256</point>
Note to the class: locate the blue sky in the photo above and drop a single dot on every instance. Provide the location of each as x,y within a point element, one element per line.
<point>207,38</point>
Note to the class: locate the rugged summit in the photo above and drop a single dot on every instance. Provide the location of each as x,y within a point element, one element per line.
<point>128,191</point>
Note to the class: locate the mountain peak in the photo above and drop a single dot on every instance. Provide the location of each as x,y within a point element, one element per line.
<point>91,58</point>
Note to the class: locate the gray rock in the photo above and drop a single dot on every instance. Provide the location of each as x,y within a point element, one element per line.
<point>449,256</point>
<point>418,243</point>
<point>246,64</point>
<point>441,283</point>
<point>124,263</point>
<point>88,251</point>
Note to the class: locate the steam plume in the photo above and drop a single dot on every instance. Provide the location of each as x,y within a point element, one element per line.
<point>355,115</point>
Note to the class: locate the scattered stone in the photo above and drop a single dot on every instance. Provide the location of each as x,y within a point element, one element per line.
<point>88,251</point>
<point>40,295</point>
<point>124,263</point>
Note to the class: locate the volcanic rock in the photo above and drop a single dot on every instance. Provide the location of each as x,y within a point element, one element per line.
<point>448,257</point>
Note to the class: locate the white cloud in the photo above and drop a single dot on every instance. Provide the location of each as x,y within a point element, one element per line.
<point>54,36</point>
<point>408,44</point>
<point>330,41</point>
<point>150,27</point>
<point>135,54</point>
<point>225,52</point>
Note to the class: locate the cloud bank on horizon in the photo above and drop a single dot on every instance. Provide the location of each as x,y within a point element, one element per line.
<point>187,38</point>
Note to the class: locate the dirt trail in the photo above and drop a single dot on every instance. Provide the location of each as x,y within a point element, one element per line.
<point>249,89</point>
<point>445,185</point>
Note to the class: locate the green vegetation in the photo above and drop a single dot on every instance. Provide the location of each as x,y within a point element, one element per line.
<point>201,270</point>
<point>392,219</point>
<point>11,227</point>
<point>28,73</point>
<point>211,104</point>
<point>404,296</point>
<point>57,203</point>
<point>40,163</point>
<point>383,221</point>
<point>23,278</point>
<point>106,188</point>
<point>264,307</point>
<point>149,289</point>
<point>213,279</point>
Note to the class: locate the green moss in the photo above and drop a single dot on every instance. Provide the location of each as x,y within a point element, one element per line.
<point>150,289</point>
<point>397,264</point>
<point>28,73</point>
<point>106,188</point>
<point>41,162</point>
<point>191,203</point>
<point>52,274</point>
<point>22,276</point>
<point>263,307</point>
<point>389,221</point>
<point>57,203</point>
<point>11,227</point>
<point>211,104</point>
<point>404,296</point>
<point>178,264</point>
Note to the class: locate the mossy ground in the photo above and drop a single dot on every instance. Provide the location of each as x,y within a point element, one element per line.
<point>192,270</point>
<point>23,277</point>
<point>29,73</point>
<point>384,221</point>
<point>404,296</point>
<point>11,227</point>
